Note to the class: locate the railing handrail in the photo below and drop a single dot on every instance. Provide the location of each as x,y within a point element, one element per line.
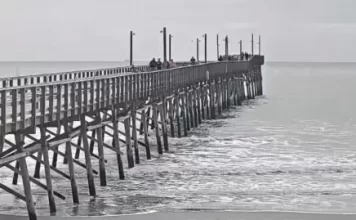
<point>58,76</point>
<point>108,76</point>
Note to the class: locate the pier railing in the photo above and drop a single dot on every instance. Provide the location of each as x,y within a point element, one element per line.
<point>69,75</point>
<point>76,93</point>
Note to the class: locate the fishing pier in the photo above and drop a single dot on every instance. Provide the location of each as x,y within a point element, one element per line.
<point>73,113</point>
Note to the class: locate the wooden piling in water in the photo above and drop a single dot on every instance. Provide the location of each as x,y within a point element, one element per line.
<point>26,180</point>
<point>91,184</point>
<point>163,113</point>
<point>134,134</point>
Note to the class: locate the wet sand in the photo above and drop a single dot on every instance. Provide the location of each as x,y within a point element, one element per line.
<point>206,215</point>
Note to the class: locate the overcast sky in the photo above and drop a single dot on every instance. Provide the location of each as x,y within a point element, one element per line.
<point>291,30</point>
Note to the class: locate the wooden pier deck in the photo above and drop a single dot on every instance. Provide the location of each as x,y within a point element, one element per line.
<point>170,101</point>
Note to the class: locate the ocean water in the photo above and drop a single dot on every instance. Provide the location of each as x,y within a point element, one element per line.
<point>293,149</point>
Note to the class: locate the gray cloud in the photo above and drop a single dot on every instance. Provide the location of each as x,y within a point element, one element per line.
<point>313,30</point>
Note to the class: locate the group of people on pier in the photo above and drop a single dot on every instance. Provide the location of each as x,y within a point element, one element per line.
<point>243,56</point>
<point>158,65</point>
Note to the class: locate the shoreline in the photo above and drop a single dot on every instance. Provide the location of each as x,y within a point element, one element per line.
<point>203,215</point>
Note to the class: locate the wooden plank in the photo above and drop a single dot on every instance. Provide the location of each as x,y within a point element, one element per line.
<point>35,181</point>
<point>53,168</point>
<point>75,161</point>
<point>104,144</point>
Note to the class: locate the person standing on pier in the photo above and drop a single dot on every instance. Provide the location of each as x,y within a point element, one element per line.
<point>153,64</point>
<point>192,60</point>
<point>171,63</point>
<point>246,55</point>
<point>159,64</point>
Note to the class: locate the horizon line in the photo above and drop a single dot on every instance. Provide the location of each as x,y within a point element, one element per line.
<point>87,61</point>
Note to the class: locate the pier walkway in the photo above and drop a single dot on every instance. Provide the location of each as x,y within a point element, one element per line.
<point>85,107</point>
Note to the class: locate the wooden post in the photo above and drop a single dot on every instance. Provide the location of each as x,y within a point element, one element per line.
<point>79,143</point>
<point>212,91</point>
<point>228,93</point>
<point>191,110</point>
<point>44,147</point>
<point>116,143</point>
<point>37,168</point>
<point>134,133</point>
<point>163,110</point>
<point>202,100</point>
<point>184,114</point>
<point>145,133</point>
<point>198,99</point>
<point>155,120</point>
<point>171,118</point>
<point>195,108</point>
<point>26,180</point>
<point>218,94</point>
<point>129,153</point>
<point>152,118</point>
<point>102,171</point>
<point>92,141</point>
<point>209,101</point>
<point>187,110</point>
<point>223,93</point>
<point>69,155</point>
<point>177,102</point>
<point>90,176</point>
<point>2,140</point>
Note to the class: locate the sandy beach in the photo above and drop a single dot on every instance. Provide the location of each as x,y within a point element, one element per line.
<point>205,215</point>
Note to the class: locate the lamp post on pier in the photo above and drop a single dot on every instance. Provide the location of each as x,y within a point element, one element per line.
<point>170,47</point>
<point>131,47</point>
<point>252,45</point>
<point>205,36</point>
<point>198,40</point>
<point>217,46</point>
<point>226,46</point>
<point>240,42</point>
<point>259,45</point>
<point>164,31</point>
